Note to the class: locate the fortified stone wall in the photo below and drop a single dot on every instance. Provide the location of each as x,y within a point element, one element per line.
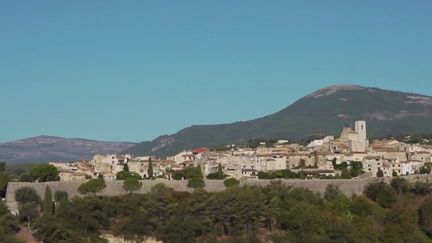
<point>115,188</point>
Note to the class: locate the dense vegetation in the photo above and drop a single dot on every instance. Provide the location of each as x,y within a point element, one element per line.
<point>347,172</point>
<point>31,172</point>
<point>281,174</point>
<point>4,179</point>
<point>26,173</point>
<point>125,173</point>
<point>395,212</point>
<point>44,172</point>
<point>399,212</point>
<point>8,225</point>
<point>424,138</point>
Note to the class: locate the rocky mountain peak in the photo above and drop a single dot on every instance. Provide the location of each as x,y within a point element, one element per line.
<point>335,89</point>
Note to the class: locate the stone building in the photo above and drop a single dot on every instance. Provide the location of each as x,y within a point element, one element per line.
<point>410,167</point>
<point>423,156</point>
<point>108,164</point>
<point>272,162</point>
<point>352,140</point>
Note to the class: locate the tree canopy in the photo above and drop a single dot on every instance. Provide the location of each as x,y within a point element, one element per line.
<point>381,193</point>
<point>44,172</point>
<point>92,186</point>
<point>26,194</point>
<point>231,182</point>
<point>196,183</point>
<point>132,185</point>
<point>124,174</point>
<point>400,185</point>
<point>28,204</point>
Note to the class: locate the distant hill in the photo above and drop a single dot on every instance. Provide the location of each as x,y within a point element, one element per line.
<point>46,149</point>
<point>320,113</point>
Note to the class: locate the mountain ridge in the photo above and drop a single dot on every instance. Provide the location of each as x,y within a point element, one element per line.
<point>46,148</point>
<point>387,112</point>
<point>323,112</point>
<point>43,136</point>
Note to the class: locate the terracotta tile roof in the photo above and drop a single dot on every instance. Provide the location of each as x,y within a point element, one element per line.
<point>199,150</point>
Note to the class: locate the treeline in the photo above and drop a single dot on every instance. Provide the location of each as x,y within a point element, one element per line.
<point>252,143</point>
<point>347,172</point>
<point>412,138</point>
<point>396,212</point>
<point>26,173</point>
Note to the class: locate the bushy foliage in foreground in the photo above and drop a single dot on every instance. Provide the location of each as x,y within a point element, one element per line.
<point>8,225</point>
<point>247,214</point>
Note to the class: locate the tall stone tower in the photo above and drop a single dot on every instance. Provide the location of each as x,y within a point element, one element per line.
<point>360,128</point>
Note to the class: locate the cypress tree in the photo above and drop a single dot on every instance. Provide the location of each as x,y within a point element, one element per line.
<point>150,169</point>
<point>126,167</point>
<point>61,198</point>
<point>220,173</point>
<point>48,206</point>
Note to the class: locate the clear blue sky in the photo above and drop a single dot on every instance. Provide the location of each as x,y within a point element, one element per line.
<point>133,70</point>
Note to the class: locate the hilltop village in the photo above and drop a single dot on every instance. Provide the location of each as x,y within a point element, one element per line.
<point>350,155</point>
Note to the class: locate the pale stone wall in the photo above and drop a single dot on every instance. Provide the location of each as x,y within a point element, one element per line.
<point>115,188</point>
<point>401,155</point>
<point>294,160</point>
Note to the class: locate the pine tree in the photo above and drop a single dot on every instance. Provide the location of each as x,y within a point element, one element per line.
<point>48,206</point>
<point>92,186</point>
<point>150,169</point>
<point>132,185</point>
<point>196,183</point>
